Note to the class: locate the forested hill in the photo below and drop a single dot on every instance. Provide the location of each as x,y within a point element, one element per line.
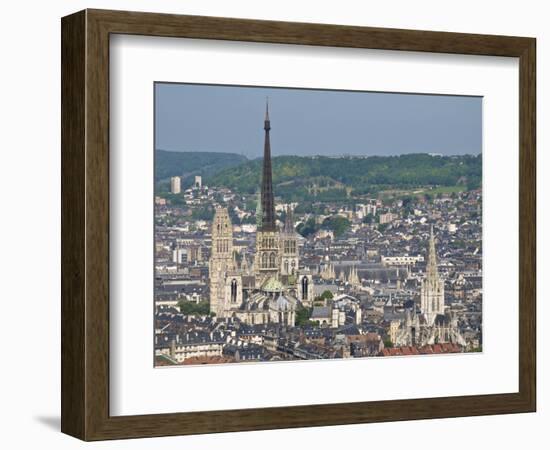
<point>292,174</point>
<point>187,164</point>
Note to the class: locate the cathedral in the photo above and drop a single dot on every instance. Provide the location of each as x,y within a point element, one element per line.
<point>431,325</point>
<point>270,287</point>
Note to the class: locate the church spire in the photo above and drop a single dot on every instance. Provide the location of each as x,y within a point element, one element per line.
<point>432,258</point>
<point>259,210</point>
<point>432,293</point>
<point>268,207</point>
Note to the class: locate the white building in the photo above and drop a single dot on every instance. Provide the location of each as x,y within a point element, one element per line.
<point>179,255</point>
<point>175,185</point>
<point>386,218</point>
<point>404,260</point>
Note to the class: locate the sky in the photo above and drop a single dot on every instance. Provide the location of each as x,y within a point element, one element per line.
<point>214,118</point>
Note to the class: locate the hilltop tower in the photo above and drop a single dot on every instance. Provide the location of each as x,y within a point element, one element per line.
<point>432,294</point>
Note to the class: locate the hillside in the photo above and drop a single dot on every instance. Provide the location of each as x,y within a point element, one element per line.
<point>297,178</point>
<point>187,164</point>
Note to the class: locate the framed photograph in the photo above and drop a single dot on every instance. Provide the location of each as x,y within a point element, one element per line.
<point>274,225</point>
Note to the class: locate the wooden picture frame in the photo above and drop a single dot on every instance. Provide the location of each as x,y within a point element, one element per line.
<point>85,224</point>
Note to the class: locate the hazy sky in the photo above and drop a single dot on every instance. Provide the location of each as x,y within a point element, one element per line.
<point>192,117</point>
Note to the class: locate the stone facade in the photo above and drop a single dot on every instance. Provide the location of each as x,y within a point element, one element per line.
<point>430,325</point>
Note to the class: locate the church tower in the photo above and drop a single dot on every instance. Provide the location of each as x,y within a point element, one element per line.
<point>267,262</point>
<point>289,246</point>
<point>432,293</point>
<point>221,260</point>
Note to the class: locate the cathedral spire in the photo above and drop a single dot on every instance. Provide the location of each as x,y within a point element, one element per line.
<point>268,207</point>
<point>259,210</point>
<point>432,258</point>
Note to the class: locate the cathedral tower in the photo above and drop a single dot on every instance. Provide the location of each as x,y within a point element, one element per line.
<point>432,293</point>
<point>267,262</point>
<point>221,261</point>
<point>289,246</point>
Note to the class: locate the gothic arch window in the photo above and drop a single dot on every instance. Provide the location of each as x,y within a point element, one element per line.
<point>286,266</point>
<point>233,290</point>
<point>264,260</point>
<point>272,260</point>
<point>305,283</point>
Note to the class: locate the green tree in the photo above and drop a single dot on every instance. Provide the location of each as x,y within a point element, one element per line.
<point>338,224</point>
<point>308,228</point>
<point>369,218</point>
<point>303,315</point>
<point>407,201</point>
<point>194,309</point>
<point>382,227</point>
<point>203,213</point>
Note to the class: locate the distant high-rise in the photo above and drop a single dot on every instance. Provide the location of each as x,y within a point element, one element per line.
<point>175,185</point>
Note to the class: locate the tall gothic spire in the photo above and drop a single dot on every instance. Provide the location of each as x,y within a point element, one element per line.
<point>432,258</point>
<point>259,210</point>
<point>268,204</point>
